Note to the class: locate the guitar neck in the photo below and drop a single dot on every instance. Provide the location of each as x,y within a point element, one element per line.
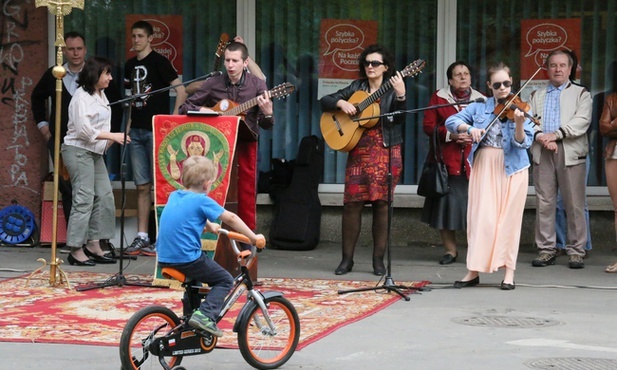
<point>374,96</point>
<point>241,108</point>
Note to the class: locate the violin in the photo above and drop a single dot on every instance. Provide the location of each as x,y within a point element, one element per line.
<point>505,108</point>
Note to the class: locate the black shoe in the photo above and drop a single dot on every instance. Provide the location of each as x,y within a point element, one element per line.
<point>469,283</point>
<point>344,267</point>
<point>110,250</point>
<point>98,259</point>
<point>505,286</point>
<point>74,261</point>
<point>378,267</point>
<point>448,259</point>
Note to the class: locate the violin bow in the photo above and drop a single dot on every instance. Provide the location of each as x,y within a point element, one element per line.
<point>507,105</point>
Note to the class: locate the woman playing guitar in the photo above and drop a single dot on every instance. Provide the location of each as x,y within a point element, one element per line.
<point>367,163</point>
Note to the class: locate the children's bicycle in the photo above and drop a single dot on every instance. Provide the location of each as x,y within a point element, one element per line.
<point>267,327</point>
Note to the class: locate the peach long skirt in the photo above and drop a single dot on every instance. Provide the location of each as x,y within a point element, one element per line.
<point>494,212</point>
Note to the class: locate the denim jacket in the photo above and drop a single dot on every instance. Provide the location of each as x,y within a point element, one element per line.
<point>480,115</point>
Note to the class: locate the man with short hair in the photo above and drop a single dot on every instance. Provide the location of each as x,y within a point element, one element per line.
<point>146,72</point>
<point>239,86</point>
<point>74,53</point>
<point>559,156</point>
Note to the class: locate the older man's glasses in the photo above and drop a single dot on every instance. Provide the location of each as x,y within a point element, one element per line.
<point>372,63</point>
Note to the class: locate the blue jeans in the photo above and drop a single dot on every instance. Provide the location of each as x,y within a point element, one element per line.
<point>141,155</point>
<point>206,270</point>
<point>561,224</point>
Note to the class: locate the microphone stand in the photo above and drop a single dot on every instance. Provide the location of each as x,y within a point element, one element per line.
<point>119,279</point>
<point>388,281</point>
<point>397,112</point>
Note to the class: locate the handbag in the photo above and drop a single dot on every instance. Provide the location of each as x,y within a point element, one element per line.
<point>434,179</point>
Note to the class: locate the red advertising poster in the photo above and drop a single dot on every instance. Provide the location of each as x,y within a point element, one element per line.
<point>167,39</point>
<point>341,42</point>
<point>541,36</point>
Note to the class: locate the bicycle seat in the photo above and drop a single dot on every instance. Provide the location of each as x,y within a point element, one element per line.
<point>172,273</point>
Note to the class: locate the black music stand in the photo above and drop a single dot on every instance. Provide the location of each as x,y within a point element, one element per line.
<point>119,279</point>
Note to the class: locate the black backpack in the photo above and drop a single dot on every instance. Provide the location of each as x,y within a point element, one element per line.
<point>297,211</point>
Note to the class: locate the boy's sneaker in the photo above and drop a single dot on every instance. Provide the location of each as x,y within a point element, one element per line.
<point>149,251</point>
<point>136,246</point>
<point>200,321</point>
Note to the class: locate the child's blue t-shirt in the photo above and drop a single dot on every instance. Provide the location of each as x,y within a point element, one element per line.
<point>181,225</point>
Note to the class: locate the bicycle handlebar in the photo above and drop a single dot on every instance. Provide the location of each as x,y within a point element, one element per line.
<point>244,259</point>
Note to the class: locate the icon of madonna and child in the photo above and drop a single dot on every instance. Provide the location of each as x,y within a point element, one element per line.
<point>182,143</point>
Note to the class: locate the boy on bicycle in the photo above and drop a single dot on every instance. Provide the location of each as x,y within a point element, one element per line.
<point>188,212</point>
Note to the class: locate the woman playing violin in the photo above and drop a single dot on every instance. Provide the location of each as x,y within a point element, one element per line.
<point>498,181</point>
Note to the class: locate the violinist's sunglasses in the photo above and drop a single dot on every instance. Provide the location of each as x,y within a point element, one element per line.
<point>373,63</point>
<point>506,84</point>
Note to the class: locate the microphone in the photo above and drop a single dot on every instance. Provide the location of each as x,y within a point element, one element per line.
<point>478,100</point>
<point>212,74</point>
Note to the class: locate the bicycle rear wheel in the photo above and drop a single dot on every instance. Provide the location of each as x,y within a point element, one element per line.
<point>262,348</point>
<point>144,326</point>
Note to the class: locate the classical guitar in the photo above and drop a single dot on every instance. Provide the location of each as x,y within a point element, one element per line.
<point>220,50</point>
<point>229,108</point>
<point>341,131</point>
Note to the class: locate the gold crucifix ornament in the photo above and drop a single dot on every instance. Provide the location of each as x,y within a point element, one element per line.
<point>59,8</point>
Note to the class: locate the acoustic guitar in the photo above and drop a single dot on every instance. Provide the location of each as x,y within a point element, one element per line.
<point>342,132</point>
<point>220,50</point>
<point>227,107</point>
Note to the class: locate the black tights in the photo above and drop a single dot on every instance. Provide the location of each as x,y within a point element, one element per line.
<point>352,222</point>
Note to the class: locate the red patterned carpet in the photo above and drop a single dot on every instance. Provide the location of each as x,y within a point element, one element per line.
<point>41,314</point>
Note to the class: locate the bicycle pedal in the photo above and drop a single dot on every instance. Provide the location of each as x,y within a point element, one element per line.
<point>203,333</point>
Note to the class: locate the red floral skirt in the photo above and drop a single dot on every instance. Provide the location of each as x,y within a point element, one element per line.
<point>366,173</point>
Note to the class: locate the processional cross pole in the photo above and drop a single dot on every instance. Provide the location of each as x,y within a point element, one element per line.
<point>59,8</point>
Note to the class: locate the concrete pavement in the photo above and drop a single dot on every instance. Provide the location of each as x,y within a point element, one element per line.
<point>556,318</point>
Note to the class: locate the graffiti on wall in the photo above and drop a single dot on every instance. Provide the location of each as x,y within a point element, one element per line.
<point>13,90</point>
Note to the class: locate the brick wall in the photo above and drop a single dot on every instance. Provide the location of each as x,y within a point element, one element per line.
<point>23,54</point>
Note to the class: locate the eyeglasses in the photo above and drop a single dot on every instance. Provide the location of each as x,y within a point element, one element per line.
<point>506,84</point>
<point>372,63</point>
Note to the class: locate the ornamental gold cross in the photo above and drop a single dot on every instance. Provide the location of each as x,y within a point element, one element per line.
<point>60,8</point>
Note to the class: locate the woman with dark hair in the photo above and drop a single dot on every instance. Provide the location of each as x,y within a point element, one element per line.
<point>93,210</point>
<point>448,213</point>
<point>367,163</point>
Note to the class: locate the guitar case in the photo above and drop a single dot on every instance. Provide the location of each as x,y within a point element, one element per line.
<point>297,212</point>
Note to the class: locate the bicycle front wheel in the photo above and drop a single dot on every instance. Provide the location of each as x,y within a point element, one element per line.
<point>262,347</point>
<point>142,328</point>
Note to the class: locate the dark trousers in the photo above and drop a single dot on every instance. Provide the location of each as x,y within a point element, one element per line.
<point>205,270</point>
<point>64,186</point>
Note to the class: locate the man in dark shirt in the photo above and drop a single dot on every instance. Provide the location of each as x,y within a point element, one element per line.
<point>146,72</point>
<point>238,86</point>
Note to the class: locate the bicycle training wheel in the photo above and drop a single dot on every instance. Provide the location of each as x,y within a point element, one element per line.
<point>144,326</point>
<point>262,348</point>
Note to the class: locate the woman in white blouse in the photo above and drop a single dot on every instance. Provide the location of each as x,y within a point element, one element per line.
<point>88,137</point>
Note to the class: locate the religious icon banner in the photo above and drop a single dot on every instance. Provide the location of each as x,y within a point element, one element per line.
<point>177,137</point>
